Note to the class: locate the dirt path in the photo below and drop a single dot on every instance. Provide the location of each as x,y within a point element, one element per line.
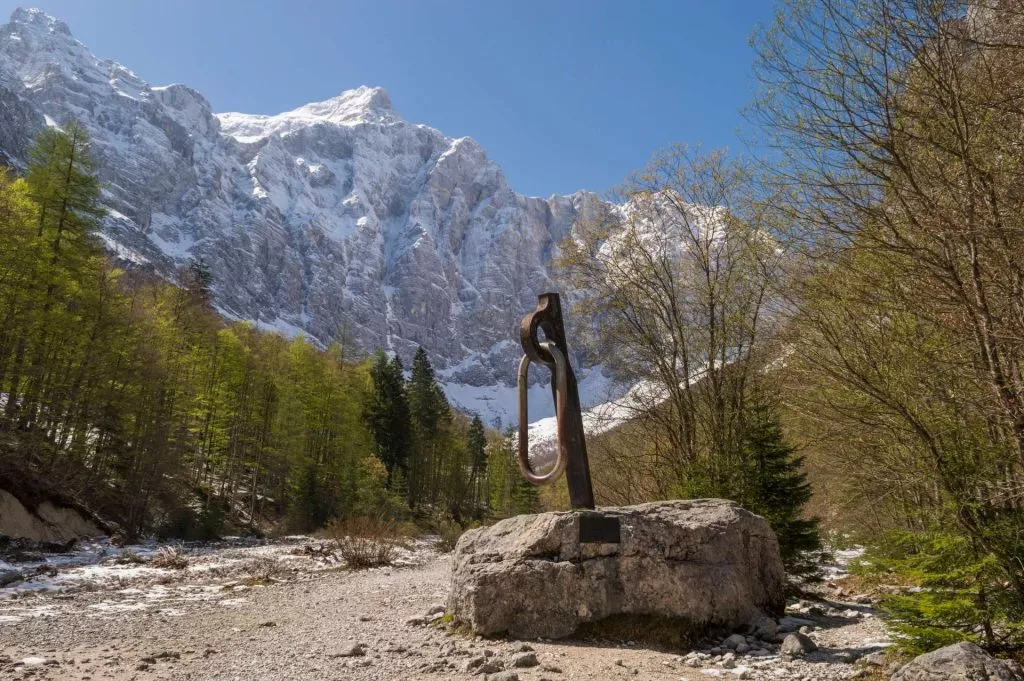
<point>218,620</point>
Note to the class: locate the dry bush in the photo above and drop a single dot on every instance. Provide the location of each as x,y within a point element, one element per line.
<point>264,570</point>
<point>366,542</point>
<point>128,557</point>
<point>169,558</point>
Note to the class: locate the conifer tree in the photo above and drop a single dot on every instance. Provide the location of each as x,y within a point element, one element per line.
<point>776,487</point>
<point>387,415</point>
<point>476,446</point>
<point>430,416</point>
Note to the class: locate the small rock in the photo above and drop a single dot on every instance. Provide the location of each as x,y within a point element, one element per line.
<point>764,627</point>
<point>10,577</point>
<point>875,659</point>
<point>797,645</point>
<point>473,663</point>
<point>434,609</point>
<point>958,662</point>
<point>742,648</point>
<point>524,648</point>
<point>416,621</point>
<point>268,623</point>
<point>733,641</point>
<point>352,650</point>
<point>490,667</point>
<point>503,676</point>
<point>142,666</point>
<point>525,660</point>
<point>552,668</point>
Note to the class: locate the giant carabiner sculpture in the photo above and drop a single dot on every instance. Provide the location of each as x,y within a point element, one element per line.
<point>553,353</point>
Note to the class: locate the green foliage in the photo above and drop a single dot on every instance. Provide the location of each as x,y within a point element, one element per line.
<point>140,398</point>
<point>387,414</point>
<point>776,487</point>
<point>961,592</point>
<point>766,478</point>
<point>510,493</point>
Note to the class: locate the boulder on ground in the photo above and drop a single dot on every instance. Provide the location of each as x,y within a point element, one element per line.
<point>706,565</point>
<point>797,645</point>
<point>959,662</point>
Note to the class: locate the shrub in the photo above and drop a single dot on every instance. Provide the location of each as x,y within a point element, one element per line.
<point>366,542</point>
<point>129,557</point>
<point>448,537</point>
<point>169,558</point>
<point>960,594</point>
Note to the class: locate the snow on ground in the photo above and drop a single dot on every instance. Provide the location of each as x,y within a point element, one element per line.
<point>217,571</point>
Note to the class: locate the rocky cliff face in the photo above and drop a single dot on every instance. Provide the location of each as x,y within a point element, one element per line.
<point>337,219</point>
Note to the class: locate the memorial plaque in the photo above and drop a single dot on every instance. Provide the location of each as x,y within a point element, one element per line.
<point>599,529</point>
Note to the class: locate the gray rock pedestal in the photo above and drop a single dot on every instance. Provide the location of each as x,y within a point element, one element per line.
<point>705,564</point>
<point>958,662</point>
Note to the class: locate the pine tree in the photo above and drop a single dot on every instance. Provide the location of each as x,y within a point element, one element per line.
<point>476,446</point>
<point>431,417</point>
<point>427,404</point>
<point>387,415</point>
<point>776,487</point>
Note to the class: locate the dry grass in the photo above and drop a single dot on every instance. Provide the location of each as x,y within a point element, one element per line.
<point>169,558</point>
<point>366,542</point>
<point>128,557</point>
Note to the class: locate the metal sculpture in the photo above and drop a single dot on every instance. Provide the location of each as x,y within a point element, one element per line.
<point>553,352</point>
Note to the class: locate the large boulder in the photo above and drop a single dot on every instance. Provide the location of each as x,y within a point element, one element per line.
<point>706,565</point>
<point>958,662</point>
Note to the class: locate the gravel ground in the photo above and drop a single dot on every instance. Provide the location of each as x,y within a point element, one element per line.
<point>230,616</point>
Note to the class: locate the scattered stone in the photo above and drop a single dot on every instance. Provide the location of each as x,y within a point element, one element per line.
<point>797,645</point>
<point>8,577</point>
<point>490,667</point>
<point>166,655</point>
<point>875,659</point>
<point>525,660</point>
<point>733,641</point>
<point>351,650</point>
<point>503,676</point>
<point>959,662</point>
<point>763,627</point>
<point>142,666</point>
<point>529,576</point>
<point>791,624</point>
<point>473,663</point>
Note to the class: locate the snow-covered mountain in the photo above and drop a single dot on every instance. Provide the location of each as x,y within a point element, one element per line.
<point>337,219</point>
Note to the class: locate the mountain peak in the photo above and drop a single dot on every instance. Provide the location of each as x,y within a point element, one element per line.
<point>349,106</point>
<point>352,107</point>
<point>38,19</point>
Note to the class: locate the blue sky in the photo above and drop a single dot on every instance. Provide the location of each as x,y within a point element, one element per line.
<point>563,94</point>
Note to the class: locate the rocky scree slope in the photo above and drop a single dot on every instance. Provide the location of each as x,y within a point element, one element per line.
<point>338,219</point>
